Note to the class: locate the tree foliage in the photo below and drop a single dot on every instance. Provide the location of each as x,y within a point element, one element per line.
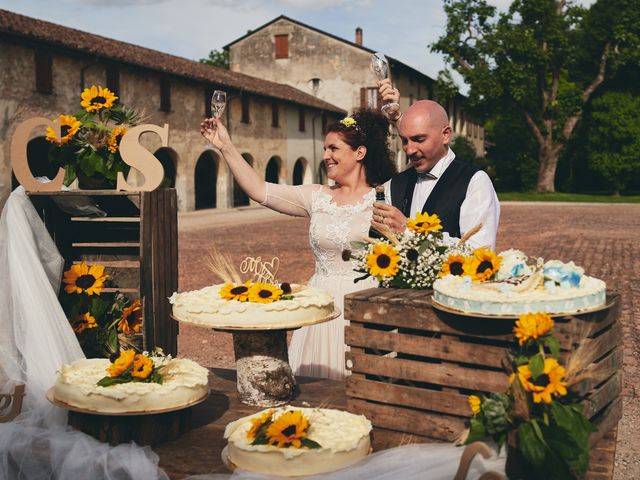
<point>217,58</point>
<point>614,137</point>
<point>542,59</point>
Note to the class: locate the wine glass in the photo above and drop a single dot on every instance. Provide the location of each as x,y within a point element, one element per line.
<point>380,67</point>
<point>218,102</point>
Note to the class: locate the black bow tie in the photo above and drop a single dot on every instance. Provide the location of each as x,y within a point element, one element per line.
<point>427,176</point>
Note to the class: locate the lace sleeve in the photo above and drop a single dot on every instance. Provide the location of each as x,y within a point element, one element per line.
<point>291,200</point>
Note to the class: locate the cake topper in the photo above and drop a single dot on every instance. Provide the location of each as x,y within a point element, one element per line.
<point>262,271</point>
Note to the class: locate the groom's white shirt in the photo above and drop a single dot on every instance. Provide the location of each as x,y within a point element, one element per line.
<point>480,205</point>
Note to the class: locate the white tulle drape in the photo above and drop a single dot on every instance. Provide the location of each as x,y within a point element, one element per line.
<point>35,339</point>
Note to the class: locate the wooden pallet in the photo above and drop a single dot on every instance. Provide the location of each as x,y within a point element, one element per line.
<point>137,242</point>
<point>413,367</point>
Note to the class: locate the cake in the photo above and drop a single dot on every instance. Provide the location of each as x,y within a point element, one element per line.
<point>337,439</point>
<point>518,287</point>
<point>183,383</point>
<point>207,307</point>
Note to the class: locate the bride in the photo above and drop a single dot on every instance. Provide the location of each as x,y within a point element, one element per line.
<point>357,158</point>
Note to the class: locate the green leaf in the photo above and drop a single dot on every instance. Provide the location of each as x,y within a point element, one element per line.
<point>553,344</point>
<point>530,445</point>
<point>69,175</point>
<point>536,365</point>
<point>307,442</point>
<point>112,341</point>
<point>355,245</point>
<point>477,431</point>
<point>108,381</point>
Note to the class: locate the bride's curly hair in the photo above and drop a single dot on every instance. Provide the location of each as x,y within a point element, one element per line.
<point>370,129</point>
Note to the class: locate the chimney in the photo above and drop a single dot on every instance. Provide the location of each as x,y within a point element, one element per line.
<point>358,36</point>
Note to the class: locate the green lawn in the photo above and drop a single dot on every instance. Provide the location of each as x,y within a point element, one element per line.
<point>565,197</point>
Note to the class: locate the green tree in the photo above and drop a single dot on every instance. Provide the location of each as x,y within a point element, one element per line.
<point>217,58</point>
<point>614,138</point>
<point>543,59</point>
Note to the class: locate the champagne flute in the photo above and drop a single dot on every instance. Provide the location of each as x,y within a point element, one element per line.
<point>380,67</point>
<point>218,102</point>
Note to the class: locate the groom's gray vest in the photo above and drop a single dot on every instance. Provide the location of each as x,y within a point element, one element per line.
<point>445,199</point>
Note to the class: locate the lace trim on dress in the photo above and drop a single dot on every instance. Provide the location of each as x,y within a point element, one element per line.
<point>337,231</point>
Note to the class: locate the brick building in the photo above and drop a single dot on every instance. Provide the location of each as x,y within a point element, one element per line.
<point>278,128</point>
<point>337,71</point>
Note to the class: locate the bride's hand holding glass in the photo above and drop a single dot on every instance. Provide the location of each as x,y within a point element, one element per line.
<point>215,133</point>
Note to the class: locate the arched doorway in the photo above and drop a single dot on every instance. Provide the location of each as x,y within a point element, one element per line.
<point>206,178</point>
<point>272,172</point>
<point>241,199</point>
<point>169,159</point>
<point>298,171</point>
<point>322,174</point>
<point>38,160</point>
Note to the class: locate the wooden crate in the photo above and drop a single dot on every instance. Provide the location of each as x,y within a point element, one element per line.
<point>413,366</point>
<point>137,242</point>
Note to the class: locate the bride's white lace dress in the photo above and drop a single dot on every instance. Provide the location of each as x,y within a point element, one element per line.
<point>318,350</point>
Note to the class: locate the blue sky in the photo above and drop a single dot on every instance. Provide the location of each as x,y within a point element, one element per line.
<point>191,28</point>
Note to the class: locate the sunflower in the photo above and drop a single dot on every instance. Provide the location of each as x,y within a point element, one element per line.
<point>288,429</point>
<point>236,292</point>
<point>83,322</point>
<point>131,321</point>
<point>383,261</point>
<point>142,366</point>
<point>122,363</point>
<point>97,98</point>
<point>548,383</point>
<point>81,278</point>
<point>424,223</point>
<point>474,403</point>
<point>482,265</point>
<point>264,293</point>
<point>114,138</point>
<point>453,265</point>
<point>531,326</point>
<point>69,126</point>
<point>256,423</point>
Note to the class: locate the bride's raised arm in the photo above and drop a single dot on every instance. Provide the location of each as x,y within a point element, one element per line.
<point>248,179</point>
<point>282,198</point>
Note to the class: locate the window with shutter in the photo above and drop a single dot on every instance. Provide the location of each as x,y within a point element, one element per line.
<point>301,124</point>
<point>282,46</point>
<point>113,79</point>
<point>245,109</point>
<point>370,98</point>
<point>44,72</point>
<point>165,94</point>
<point>275,120</point>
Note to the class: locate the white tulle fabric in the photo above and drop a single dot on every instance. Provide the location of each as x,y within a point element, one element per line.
<point>409,462</point>
<point>35,339</point>
<point>318,350</point>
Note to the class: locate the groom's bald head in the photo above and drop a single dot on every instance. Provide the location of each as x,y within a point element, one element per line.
<point>425,132</point>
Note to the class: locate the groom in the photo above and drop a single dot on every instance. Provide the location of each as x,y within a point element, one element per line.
<point>436,181</point>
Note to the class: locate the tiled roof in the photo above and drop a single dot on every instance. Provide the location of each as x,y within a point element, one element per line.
<point>30,28</point>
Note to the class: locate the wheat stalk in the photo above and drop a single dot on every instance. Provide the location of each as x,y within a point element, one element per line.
<point>470,233</point>
<point>221,265</point>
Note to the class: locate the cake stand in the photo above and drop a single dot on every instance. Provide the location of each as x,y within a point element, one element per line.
<point>264,376</point>
<point>147,427</point>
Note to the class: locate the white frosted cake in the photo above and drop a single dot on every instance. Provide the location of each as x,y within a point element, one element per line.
<point>517,288</point>
<point>207,307</point>
<point>340,438</point>
<point>183,382</point>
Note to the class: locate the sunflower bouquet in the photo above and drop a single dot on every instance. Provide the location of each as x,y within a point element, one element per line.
<point>288,429</point>
<point>97,316</point>
<point>129,366</point>
<point>539,416</point>
<point>256,292</point>
<point>89,142</point>
<point>411,259</point>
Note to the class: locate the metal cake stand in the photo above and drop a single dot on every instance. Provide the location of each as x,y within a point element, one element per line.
<point>264,376</point>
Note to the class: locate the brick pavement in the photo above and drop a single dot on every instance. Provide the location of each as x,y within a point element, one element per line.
<point>601,238</point>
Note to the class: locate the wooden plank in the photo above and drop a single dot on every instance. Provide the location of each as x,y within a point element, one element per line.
<point>146,270</point>
<point>106,219</point>
<point>445,348</point>
<point>603,395</point>
<point>402,395</point>
<point>436,426</point>
<point>112,263</point>
<point>84,193</point>
<point>118,289</point>
<point>602,370</point>
<point>106,245</point>
<point>172,269</point>
<point>606,420</point>
<point>445,374</point>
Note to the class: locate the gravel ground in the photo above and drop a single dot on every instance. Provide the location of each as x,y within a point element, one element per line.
<point>601,238</point>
